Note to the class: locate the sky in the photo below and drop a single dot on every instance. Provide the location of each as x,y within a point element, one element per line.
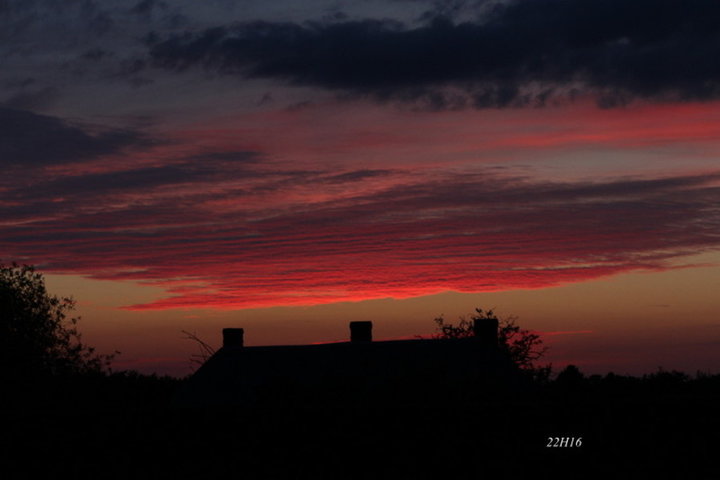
<point>288,167</point>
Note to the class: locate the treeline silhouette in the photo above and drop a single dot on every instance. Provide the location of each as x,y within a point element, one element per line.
<point>125,425</point>
<point>70,416</point>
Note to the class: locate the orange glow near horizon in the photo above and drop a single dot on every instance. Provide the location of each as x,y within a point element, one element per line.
<point>667,320</point>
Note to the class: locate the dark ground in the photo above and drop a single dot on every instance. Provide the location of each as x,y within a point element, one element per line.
<point>126,426</point>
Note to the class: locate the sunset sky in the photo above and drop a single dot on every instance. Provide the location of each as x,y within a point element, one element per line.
<point>288,167</point>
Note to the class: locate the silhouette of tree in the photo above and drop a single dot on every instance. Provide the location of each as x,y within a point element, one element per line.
<point>523,346</point>
<point>36,335</point>
<point>571,377</point>
<point>206,351</point>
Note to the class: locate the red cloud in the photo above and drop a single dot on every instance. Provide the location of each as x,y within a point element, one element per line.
<point>224,249</point>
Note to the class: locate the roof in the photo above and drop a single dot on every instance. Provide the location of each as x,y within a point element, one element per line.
<point>345,372</point>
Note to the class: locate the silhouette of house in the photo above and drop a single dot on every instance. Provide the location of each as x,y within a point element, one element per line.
<point>361,370</point>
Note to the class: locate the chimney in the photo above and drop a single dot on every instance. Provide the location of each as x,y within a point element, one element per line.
<point>360,332</point>
<point>486,331</point>
<point>233,337</point>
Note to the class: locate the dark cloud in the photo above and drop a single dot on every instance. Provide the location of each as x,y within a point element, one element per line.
<point>37,193</point>
<point>357,175</point>
<point>232,158</point>
<point>95,54</point>
<point>136,180</point>
<point>32,100</point>
<point>200,169</point>
<point>18,82</point>
<point>145,7</point>
<point>29,140</point>
<point>518,53</point>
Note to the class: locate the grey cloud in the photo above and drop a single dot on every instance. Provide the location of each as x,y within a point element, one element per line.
<point>145,7</point>
<point>33,99</point>
<point>31,140</point>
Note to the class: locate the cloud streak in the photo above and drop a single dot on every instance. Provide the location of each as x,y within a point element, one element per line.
<point>219,248</point>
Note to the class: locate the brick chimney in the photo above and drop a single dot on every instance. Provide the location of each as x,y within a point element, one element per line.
<point>360,332</point>
<point>233,337</point>
<point>486,331</point>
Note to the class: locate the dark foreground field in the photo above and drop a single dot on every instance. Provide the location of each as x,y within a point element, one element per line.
<point>126,426</point>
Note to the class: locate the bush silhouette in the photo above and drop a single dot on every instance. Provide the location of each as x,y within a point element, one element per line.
<point>37,338</point>
<point>523,347</point>
<point>570,377</point>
